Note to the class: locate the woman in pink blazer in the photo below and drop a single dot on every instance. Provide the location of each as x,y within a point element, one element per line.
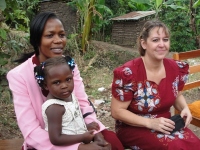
<point>47,36</point>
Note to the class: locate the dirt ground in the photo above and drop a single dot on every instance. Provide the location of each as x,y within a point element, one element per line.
<point>9,128</point>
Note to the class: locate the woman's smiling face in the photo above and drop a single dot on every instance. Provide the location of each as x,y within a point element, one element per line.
<point>157,44</point>
<point>53,40</point>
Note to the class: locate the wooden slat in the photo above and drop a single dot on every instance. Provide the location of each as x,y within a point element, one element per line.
<point>191,85</point>
<point>187,55</point>
<point>176,56</point>
<point>194,69</point>
<point>196,121</point>
<point>11,144</point>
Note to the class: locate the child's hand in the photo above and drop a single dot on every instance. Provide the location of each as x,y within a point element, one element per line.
<point>93,126</point>
<point>88,136</point>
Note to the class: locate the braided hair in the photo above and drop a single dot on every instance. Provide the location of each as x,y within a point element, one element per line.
<point>41,71</point>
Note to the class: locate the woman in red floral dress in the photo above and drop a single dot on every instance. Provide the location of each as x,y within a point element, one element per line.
<point>144,89</point>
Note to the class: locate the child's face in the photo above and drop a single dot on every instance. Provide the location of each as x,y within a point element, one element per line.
<point>59,82</point>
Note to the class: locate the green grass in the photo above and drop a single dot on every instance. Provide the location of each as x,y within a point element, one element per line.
<point>96,78</point>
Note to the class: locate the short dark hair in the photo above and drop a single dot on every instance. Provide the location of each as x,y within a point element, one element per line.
<point>41,70</point>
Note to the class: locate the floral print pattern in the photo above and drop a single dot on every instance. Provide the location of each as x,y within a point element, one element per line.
<point>183,78</point>
<point>150,100</point>
<point>175,86</point>
<point>135,148</point>
<point>146,96</point>
<point>181,64</point>
<point>178,134</point>
<point>123,88</point>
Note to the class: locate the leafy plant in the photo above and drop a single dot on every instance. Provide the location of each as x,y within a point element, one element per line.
<point>196,4</point>
<point>140,5</point>
<point>101,23</point>
<point>3,34</point>
<point>182,36</point>
<point>2,5</point>
<point>10,43</point>
<point>88,9</point>
<point>17,13</point>
<point>196,20</point>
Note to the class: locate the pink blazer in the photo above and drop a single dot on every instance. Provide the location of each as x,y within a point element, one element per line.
<point>28,100</point>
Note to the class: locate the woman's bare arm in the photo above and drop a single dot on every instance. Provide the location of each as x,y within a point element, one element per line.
<point>119,111</point>
<point>181,105</point>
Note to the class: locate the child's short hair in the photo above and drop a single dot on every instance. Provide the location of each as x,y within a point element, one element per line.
<point>42,70</point>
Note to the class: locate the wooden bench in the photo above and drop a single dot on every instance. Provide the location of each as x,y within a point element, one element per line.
<point>194,69</point>
<point>11,144</point>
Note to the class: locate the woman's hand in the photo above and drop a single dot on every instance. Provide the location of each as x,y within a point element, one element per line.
<point>181,105</point>
<point>161,124</point>
<point>186,115</point>
<point>99,139</point>
<point>88,136</point>
<point>99,144</point>
<point>93,126</point>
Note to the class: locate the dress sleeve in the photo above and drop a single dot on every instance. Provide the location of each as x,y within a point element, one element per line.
<point>183,74</point>
<point>123,83</point>
<point>79,92</point>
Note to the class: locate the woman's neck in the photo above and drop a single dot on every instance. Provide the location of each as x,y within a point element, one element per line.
<point>155,70</point>
<point>41,58</point>
<point>152,65</point>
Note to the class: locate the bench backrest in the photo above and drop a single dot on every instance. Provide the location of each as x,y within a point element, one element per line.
<point>193,68</point>
<point>11,144</point>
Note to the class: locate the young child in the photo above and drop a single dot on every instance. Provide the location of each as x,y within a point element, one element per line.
<point>61,112</point>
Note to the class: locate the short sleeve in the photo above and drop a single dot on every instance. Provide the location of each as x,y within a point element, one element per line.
<point>123,83</point>
<point>183,74</point>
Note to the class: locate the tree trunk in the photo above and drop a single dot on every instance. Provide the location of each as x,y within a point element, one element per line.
<point>192,19</point>
<point>87,25</point>
<point>1,17</point>
<point>193,24</point>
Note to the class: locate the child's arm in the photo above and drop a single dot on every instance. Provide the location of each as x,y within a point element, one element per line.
<point>54,115</point>
<point>93,126</point>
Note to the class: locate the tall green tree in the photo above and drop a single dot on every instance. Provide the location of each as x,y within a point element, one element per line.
<point>88,9</point>
<point>196,17</point>
<point>2,5</point>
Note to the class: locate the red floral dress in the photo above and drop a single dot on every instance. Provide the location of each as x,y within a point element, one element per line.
<point>152,101</point>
